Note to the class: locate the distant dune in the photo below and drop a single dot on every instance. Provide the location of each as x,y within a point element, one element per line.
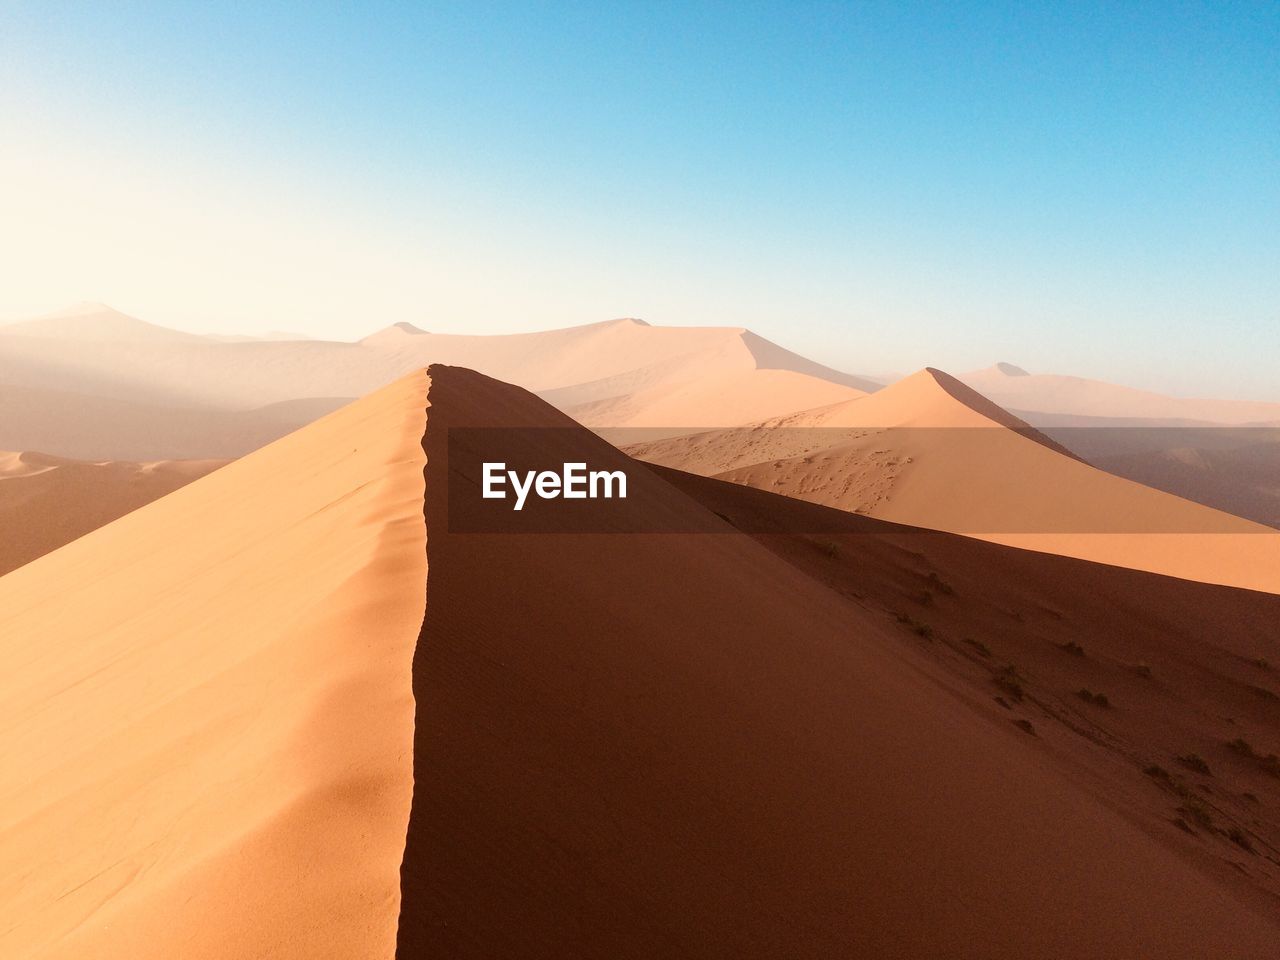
<point>1229,467</point>
<point>46,502</point>
<point>619,373</point>
<point>94,323</point>
<point>1242,478</point>
<point>255,734</point>
<point>929,452</point>
<point>1015,389</point>
<point>99,428</point>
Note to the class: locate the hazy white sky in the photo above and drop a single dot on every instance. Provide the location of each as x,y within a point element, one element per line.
<point>879,190</point>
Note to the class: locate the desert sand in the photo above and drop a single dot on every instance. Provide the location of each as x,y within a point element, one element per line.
<point>46,502</point>
<point>206,713</point>
<point>245,737</point>
<point>930,452</point>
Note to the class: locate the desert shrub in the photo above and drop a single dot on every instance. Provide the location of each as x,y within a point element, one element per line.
<point>1071,647</point>
<point>1242,747</point>
<point>1268,764</point>
<point>1097,699</point>
<point>1193,761</point>
<point>1009,681</point>
<point>937,583</point>
<point>915,626</point>
<point>1195,811</point>
<point>1240,839</point>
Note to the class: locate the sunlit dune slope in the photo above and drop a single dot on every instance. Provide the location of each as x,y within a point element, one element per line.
<point>46,501</point>
<point>930,452</point>
<point>680,745</point>
<point>206,713</point>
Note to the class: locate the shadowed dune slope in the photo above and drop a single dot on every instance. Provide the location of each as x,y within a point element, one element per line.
<point>681,745</point>
<point>206,710</point>
<point>930,452</point>
<point>46,502</point>
<point>1187,669</point>
<point>1243,478</point>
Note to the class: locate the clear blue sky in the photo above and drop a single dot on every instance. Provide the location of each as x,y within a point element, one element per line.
<point>1074,187</point>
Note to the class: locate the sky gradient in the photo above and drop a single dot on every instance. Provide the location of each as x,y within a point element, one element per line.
<point>1075,188</point>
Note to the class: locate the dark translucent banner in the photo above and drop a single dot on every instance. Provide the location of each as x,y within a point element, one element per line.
<point>1138,480</point>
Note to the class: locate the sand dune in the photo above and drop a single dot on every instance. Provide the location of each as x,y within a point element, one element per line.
<point>1231,468</point>
<point>244,740</point>
<point>929,452</point>
<point>1015,389</point>
<point>714,400</point>
<point>617,373</point>
<point>93,427</point>
<point>46,502</point>
<point>1243,478</point>
<point>94,323</point>
<point>205,715</point>
<point>681,745</point>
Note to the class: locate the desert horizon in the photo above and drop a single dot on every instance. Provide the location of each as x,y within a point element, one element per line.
<point>577,482</point>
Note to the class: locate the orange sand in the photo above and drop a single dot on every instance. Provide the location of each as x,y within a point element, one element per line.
<point>206,712</point>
